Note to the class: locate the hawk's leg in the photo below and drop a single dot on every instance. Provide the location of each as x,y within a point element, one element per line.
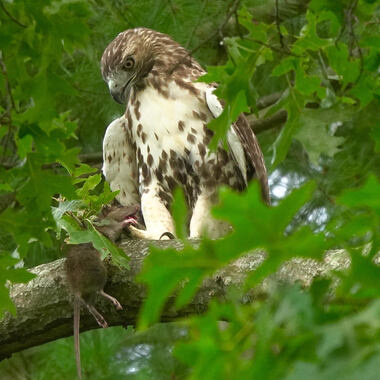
<point>158,220</point>
<point>202,223</point>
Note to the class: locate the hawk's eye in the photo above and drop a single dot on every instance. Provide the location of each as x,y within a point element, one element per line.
<point>129,63</point>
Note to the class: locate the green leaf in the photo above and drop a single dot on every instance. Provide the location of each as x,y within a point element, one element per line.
<point>89,184</point>
<point>83,169</point>
<point>66,206</point>
<point>24,145</point>
<point>5,187</point>
<point>105,247</point>
<point>287,64</point>
<point>364,90</point>
<point>229,115</point>
<point>314,134</point>
<point>179,213</point>
<point>284,138</point>
<point>308,84</point>
<point>162,280</point>
<point>375,134</point>
<point>347,69</point>
<point>78,235</point>
<point>309,39</point>
<point>105,197</point>
<point>70,159</point>
<point>19,275</point>
<point>366,196</point>
<point>6,303</point>
<point>333,21</point>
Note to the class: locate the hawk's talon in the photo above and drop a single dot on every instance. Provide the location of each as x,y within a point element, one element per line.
<point>128,221</point>
<point>149,235</point>
<point>137,233</point>
<point>167,234</point>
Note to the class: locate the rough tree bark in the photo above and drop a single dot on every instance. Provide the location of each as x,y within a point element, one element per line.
<point>44,305</point>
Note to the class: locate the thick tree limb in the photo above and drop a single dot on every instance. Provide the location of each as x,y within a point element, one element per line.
<point>44,308</point>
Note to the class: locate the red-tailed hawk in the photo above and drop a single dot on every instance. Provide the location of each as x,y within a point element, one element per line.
<point>162,139</point>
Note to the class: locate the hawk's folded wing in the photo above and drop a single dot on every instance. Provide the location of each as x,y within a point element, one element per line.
<point>243,145</point>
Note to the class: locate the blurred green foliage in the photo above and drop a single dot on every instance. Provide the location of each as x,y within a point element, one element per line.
<point>323,58</point>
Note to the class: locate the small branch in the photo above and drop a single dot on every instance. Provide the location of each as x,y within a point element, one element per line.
<point>10,16</point>
<point>196,25</point>
<point>91,157</point>
<point>350,17</point>
<point>86,158</point>
<point>268,100</point>
<point>274,121</point>
<point>10,100</point>
<point>89,91</point>
<point>277,18</point>
<point>172,8</point>
<point>7,115</point>
<point>274,48</point>
<point>121,13</point>
<point>233,5</point>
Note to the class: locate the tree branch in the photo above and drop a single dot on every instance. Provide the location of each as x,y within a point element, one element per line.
<point>277,18</point>
<point>274,121</point>
<point>44,308</point>
<point>10,16</point>
<point>268,100</point>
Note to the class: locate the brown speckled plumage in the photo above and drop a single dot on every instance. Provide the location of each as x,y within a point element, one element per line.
<point>166,115</point>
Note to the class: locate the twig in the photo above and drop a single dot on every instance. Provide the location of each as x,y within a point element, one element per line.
<point>271,122</point>
<point>10,100</point>
<point>89,91</point>
<point>268,100</point>
<point>240,33</point>
<point>233,5</point>
<point>86,158</point>
<point>10,106</point>
<point>172,8</point>
<point>282,50</point>
<point>10,16</point>
<point>91,157</point>
<point>350,17</point>
<point>277,17</point>
<point>121,13</point>
<point>196,25</point>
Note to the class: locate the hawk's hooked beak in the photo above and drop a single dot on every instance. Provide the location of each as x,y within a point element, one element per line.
<point>116,96</point>
<point>120,93</point>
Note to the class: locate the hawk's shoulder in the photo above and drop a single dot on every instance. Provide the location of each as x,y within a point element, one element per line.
<point>119,162</point>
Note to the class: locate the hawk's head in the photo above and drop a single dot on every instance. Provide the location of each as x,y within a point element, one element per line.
<point>130,57</point>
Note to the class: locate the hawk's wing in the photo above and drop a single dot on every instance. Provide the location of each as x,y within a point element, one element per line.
<point>242,142</point>
<point>119,163</point>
